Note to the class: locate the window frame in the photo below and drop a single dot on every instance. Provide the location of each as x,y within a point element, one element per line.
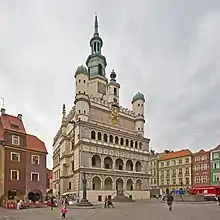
<point>19,157</point>
<point>13,138</point>
<point>18,174</point>
<point>38,177</point>
<point>32,156</point>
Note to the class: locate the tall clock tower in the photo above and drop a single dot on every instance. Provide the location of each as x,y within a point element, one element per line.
<point>96,64</point>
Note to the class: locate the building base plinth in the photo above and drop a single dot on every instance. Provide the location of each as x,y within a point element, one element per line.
<point>85,203</point>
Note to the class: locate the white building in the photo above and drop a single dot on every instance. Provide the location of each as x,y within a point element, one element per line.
<point>101,138</point>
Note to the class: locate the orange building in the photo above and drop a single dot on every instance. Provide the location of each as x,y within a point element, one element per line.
<point>175,170</point>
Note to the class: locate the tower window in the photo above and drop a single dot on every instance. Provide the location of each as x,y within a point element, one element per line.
<point>84,111</point>
<point>84,93</point>
<point>142,104</point>
<point>138,104</point>
<point>79,111</point>
<point>100,69</point>
<point>79,80</point>
<point>115,91</point>
<point>84,81</point>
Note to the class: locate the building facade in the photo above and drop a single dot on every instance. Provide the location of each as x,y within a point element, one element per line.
<point>49,180</point>
<point>215,166</point>
<point>175,169</point>
<point>101,138</point>
<point>24,160</point>
<point>201,168</point>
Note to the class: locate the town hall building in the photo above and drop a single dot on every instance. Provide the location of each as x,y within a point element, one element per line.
<point>100,137</point>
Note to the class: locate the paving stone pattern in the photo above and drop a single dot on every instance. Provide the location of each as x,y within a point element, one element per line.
<point>145,210</point>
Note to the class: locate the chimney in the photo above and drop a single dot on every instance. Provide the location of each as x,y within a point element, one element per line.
<point>19,116</point>
<point>2,111</point>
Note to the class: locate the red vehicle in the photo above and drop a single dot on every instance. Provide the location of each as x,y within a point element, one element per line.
<point>209,192</point>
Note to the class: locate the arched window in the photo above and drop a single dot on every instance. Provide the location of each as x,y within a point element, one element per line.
<point>127,142</point>
<point>116,140</point>
<point>140,145</point>
<point>131,143</point>
<point>93,135</point>
<point>111,139</point>
<point>136,144</point>
<point>122,141</point>
<point>105,137</point>
<point>99,136</point>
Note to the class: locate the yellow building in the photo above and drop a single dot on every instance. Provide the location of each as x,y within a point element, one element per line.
<point>175,170</point>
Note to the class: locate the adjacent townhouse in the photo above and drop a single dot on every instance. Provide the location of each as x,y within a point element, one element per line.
<point>215,166</point>
<point>22,159</point>
<point>175,169</point>
<point>49,180</point>
<point>201,168</point>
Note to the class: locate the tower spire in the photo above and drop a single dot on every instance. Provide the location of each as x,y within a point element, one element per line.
<point>96,33</point>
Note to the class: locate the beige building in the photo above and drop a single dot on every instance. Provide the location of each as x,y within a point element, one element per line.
<point>175,170</point>
<point>101,138</point>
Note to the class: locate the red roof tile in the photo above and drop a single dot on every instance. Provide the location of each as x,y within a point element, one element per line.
<point>176,154</point>
<point>35,144</point>
<point>12,123</point>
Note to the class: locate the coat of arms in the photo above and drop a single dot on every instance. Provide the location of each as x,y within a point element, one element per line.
<point>114,115</point>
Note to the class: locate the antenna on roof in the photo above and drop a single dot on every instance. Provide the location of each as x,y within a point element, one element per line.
<point>3,102</point>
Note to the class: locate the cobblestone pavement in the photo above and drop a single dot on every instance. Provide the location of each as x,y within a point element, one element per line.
<point>148,210</point>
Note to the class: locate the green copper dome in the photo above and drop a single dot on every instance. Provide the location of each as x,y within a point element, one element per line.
<point>81,69</point>
<point>138,96</point>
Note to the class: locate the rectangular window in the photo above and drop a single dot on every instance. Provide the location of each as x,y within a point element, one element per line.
<point>69,186</point>
<point>15,140</point>
<point>174,181</point>
<point>173,162</point>
<point>162,164</point>
<point>215,155</point>
<point>204,179</point>
<point>197,179</point>
<point>34,176</point>
<point>14,175</point>
<point>187,160</point>
<point>35,159</point>
<point>197,158</point>
<point>216,177</point>
<point>180,161</point>
<point>15,157</point>
<point>168,163</point>
<point>204,166</point>
<point>187,170</point>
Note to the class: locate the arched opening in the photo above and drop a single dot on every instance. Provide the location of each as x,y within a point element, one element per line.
<point>105,137</point>
<point>140,145</point>
<point>131,143</point>
<point>119,164</point>
<point>119,184</point>
<point>129,165</point>
<point>99,136</point>
<point>110,138</point>
<point>108,163</point>
<point>96,161</point>
<point>108,183</point>
<point>35,196</point>
<point>130,184</point>
<point>116,140</point>
<point>15,194</point>
<point>136,144</point>
<point>138,185</point>
<point>96,183</point>
<point>93,135</point>
<point>138,166</point>
<point>122,141</point>
<point>127,142</point>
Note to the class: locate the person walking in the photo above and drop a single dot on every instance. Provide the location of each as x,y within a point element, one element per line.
<point>219,200</point>
<point>52,202</point>
<point>170,201</point>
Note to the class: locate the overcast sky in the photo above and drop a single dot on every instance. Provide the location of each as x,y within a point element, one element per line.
<point>167,49</point>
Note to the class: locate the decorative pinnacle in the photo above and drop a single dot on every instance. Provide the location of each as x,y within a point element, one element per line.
<point>96,33</point>
<point>64,111</point>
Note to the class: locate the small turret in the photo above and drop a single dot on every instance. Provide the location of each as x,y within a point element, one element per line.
<point>113,89</point>
<point>138,108</point>
<point>63,124</point>
<point>82,93</point>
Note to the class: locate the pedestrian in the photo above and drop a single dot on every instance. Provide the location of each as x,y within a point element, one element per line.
<point>52,202</point>
<point>106,201</point>
<point>64,211</point>
<point>219,200</point>
<point>170,201</point>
